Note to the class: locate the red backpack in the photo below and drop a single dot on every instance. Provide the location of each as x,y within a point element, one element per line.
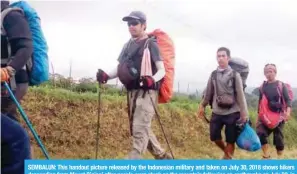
<point>269,118</point>
<point>167,51</point>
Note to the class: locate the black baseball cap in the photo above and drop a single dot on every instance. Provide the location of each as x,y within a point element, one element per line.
<point>138,15</point>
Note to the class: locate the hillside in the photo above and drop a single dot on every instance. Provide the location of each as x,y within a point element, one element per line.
<point>66,122</point>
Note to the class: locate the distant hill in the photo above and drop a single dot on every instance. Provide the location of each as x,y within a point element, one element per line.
<point>252,90</point>
<point>249,89</point>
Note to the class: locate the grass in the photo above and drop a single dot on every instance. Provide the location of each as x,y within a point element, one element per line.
<point>67,121</point>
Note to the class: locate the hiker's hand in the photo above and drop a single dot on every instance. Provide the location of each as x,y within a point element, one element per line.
<point>6,73</point>
<point>201,111</point>
<point>242,119</point>
<point>102,77</point>
<point>287,116</point>
<point>147,81</point>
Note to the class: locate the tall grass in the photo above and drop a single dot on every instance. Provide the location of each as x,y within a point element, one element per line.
<point>65,112</point>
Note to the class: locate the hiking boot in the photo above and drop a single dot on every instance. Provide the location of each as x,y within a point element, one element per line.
<point>164,156</point>
<point>225,157</point>
<point>266,157</point>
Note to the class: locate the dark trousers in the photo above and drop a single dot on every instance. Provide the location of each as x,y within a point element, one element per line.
<point>278,136</point>
<point>15,146</point>
<point>217,123</point>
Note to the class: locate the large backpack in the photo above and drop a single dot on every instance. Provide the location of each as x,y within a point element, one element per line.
<point>167,51</point>
<point>269,118</point>
<point>38,66</point>
<point>242,67</point>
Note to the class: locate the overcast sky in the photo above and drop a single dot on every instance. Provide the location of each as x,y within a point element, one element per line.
<point>91,34</point>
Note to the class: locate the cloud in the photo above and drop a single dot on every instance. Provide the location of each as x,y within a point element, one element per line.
<point>91,35</point>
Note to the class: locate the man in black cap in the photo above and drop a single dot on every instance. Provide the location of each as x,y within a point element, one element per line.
<point>137,24</point>
<point>142,91</point>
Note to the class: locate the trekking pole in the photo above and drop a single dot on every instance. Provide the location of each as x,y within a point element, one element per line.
<point>98,119</point>
<point>159,119</point>
<point>25,117</point>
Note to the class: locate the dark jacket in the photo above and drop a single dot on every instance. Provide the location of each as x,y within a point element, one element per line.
<point>135,51</point>
<point>273,96</point>
<point>20,39</point>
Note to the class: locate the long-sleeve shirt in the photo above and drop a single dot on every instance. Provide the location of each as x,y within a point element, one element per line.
<point>225,84</point>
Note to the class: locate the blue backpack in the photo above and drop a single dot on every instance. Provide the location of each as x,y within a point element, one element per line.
<point>248,139</point>
<point>39,67</point>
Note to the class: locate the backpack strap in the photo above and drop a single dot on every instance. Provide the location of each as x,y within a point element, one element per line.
<point>212,77</point>
<point>5,61</point>
<point>234,82</point>
<point>4,33</point>
<point>4,14</point>
<point>280,88</point>
<point>130,54</point>
<point>126,49</point>
<point>147,42</point>
<point>215,78</point>
<point>146,46</point>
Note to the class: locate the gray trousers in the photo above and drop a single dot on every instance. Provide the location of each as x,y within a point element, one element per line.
<point>140,124</point>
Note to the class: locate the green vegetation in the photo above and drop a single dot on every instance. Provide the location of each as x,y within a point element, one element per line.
<point>65,116</point>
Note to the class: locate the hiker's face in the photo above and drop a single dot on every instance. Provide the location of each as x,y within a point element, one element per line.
<point>269,73</point>
<point>222,58</point>
<point>136,28</point>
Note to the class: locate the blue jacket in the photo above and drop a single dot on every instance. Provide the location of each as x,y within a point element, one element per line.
<point>15,146</point>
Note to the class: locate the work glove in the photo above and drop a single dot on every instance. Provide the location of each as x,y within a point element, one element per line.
<point>147,81</point>
<point>6,73</point>
<point>102,77</point>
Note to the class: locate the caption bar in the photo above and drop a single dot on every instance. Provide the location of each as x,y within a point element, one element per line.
<point>160,166</point>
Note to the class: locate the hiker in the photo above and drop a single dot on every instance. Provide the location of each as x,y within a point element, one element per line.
<point>15,146</point>
<point>224,92</point>
<point>278,105</point>
<point>140,91</point>
<point>16,50</point>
